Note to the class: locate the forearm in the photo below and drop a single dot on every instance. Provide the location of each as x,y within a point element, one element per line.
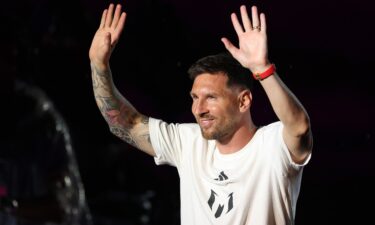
<point>123,119</point>
<point>286,106</point>
<point>120,115</point>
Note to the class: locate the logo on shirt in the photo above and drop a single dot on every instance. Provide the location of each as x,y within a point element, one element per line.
<point>222,176</point>
<point>225,204</point>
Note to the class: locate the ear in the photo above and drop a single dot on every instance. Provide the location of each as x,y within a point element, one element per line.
<point>245,98</point>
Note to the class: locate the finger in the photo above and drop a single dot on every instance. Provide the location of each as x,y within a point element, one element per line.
<point>102,21</point>
<point>245,18</point>
<point>237,26</point>
<point>120,26</point>
<point>255,17</point>
<point>116,17</point>
<point>229,46</point>
<point>108,20</point>
<point>263,25</point>
<point>107,41</point>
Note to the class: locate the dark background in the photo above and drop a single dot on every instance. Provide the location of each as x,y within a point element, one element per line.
<point>323,50</point>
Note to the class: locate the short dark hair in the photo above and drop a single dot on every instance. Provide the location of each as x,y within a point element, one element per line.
<point>223,63</point>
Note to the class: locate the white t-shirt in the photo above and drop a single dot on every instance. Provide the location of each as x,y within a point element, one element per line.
<point>258,185</point>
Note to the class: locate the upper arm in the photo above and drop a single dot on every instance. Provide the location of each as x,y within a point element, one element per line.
<point>136,132</point>
<point>299,146</point>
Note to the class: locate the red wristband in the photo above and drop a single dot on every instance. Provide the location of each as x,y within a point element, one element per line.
<point>265,74</point>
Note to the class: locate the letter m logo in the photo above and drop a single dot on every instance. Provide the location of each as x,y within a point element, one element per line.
<point>221,205</point>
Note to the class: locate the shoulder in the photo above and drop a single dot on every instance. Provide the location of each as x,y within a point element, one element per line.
<point>271,135</point>
<point>274,127</point>
<point>185,128</point>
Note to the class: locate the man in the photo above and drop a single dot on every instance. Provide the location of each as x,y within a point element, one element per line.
<point>231,171</point>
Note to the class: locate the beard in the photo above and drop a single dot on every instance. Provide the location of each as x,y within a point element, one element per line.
<point>219,131</point>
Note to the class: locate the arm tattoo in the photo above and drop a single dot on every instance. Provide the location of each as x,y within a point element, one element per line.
<point>136,137</point>
<point>123,134</point>
<point>146,134</point>
<point>120,115</point>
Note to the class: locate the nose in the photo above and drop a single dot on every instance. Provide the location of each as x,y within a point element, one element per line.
<point>199,107</point>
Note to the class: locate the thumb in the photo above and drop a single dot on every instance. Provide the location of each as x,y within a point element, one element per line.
<point>229,46</point>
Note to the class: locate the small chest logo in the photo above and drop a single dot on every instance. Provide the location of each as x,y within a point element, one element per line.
<point>222,176</point>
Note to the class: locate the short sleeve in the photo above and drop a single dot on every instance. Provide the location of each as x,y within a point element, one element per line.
<point>170,139</point>
<point>286,157</point>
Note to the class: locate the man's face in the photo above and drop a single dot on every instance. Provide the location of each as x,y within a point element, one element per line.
<point>215,106</point>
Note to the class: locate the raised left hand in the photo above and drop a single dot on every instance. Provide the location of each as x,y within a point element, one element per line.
<point>253,51</point>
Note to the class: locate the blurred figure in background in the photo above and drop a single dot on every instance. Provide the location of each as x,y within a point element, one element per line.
<point>39,177</point>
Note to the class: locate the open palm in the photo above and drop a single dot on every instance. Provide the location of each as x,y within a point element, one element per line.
<point>252,52</point>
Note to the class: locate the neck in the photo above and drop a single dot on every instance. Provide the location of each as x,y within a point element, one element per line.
<point>238,140</point>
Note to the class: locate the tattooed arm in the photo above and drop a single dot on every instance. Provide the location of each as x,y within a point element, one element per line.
<point>123,119</point>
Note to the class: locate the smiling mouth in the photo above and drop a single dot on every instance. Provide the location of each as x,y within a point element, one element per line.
<point>206,123</point>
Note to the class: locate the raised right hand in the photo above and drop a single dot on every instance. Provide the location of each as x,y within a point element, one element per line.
<point>107,36</point>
